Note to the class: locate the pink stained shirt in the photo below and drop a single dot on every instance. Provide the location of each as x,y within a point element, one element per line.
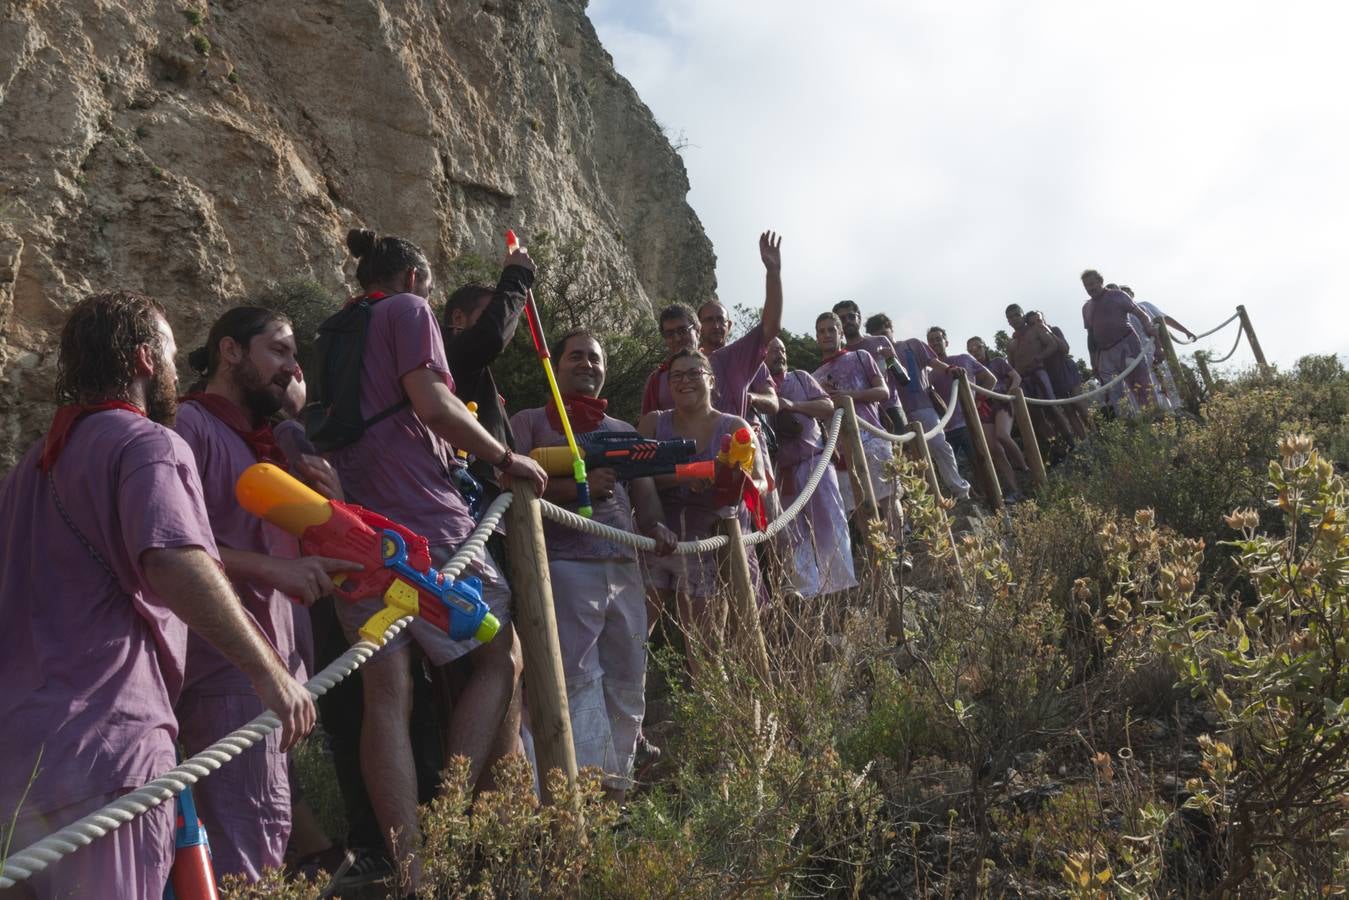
<point>853,370</point>
<point>736,368</point>
<point>91,663</point>
<point>532,429</point>
<point>914,355</point>
<point>1106,317</point>
<point>222,457</point>
<point>941,383</point>
<point>875,344</point>
<point>800,386</point>
<point>398,467</point>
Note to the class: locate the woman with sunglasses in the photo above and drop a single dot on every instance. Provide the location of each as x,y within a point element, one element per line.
<point>688,582</point>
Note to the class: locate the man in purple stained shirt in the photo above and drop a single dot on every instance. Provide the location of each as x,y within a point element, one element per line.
<point>883,351</point>
<point>958,429</point>
<point>597,583</point>
<point>1105,315</point>
<point>854,373</point>
<point>119,563</point>
<point>735,366</point>
<point>399,468</point>
<point>248,363</point>
<point>917,358</point>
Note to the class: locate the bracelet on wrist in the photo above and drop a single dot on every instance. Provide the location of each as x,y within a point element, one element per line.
<point>506,459</point>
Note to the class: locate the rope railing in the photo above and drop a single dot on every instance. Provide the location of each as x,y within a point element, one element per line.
<point>1230,353</point>
<point>1063,401</point>
<point>1214,330</point>
<point>928,435</point>
<point>38,856</point>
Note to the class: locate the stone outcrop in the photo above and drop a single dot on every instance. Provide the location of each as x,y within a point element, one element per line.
<point>198,151</point>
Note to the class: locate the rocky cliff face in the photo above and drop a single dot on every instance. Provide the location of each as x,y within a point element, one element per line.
<point>197,151</point>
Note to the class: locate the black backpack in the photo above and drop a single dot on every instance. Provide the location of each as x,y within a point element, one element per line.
<point>333,420</point>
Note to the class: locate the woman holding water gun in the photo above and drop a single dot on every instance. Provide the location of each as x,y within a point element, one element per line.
<point>693,508</point>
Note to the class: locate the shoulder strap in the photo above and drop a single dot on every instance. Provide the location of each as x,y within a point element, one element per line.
<point>93,552</point>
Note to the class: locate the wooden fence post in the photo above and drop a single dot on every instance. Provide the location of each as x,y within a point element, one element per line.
<point>864,492</point>
<point>744,625</point>
<point>536,623</point>
<point>1173,362</point>
<point>924,453</point>
<point>976,434</point>
<point>1024,426</point>
<point>1201,360</point>
<point>1255,344</point>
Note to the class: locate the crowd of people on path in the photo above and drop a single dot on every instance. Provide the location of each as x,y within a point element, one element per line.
<point>145,614</point>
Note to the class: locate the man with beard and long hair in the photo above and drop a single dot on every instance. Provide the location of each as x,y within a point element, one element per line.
<point>248,362</point>
<point>112,562</point>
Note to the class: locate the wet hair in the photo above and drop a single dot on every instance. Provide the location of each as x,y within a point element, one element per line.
<point>878,323</point>
<point>1090,273</point>
<point>829,315</point>
<point>97,358</point>
<point>936,329</point>
<point>466,298</point>
<point>846,306</point>
<point>678,311</point>
<point>560,344</point>
<point>383,258</point>
<point>243,323</point>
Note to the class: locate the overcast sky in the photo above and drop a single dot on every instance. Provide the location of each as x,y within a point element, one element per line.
<point>938,161</point>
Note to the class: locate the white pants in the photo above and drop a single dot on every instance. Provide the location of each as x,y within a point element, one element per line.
<point>943,457</point>
<point>601,624</point>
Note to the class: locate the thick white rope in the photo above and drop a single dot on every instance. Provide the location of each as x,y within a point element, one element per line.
<point>1199,337</point>
<point>617,535</point>
<point>1063,401</point>
<point>1235,345</point>
<point>927,435</point>
<point>43,853</point>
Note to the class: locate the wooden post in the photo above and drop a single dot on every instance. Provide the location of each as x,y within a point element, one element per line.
<point>921,450</point>
<point>1255,344</point>
<point>1173,362</point>
<point>858,469</point>
<point>976,432</point>
<point>1026,429</point>
<point>744,624</point>
<point>1201,360</point>
<point>536,623</point>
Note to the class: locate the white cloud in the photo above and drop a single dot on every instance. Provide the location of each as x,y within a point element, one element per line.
<point>937,161</point>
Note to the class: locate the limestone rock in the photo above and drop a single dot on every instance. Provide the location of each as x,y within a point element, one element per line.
<point>198,151</point>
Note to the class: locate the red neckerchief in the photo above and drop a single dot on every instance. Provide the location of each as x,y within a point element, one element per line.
<point>260,440</point>
<point>373,295</point>
<point>584,413</point>
<point>58,435</point>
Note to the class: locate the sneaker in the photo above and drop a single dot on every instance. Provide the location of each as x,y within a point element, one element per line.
<point>368,866</point>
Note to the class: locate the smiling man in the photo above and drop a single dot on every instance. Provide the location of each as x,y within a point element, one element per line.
<point>597,583</point>
<point>248,364</point>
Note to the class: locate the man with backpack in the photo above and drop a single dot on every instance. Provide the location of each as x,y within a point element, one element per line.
<point>396,462</point>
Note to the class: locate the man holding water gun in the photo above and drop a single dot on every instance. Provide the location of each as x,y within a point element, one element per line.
<point>397,468</point>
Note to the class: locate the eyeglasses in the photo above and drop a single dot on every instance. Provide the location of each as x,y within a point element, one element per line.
<point>687,374</point>
<point>676,332</point>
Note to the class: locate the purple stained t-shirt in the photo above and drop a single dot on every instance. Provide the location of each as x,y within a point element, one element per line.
<point>92,664</point>
<point>1107,318</point>
<point>1002,370</point>
<point>532,429</point>
<point>736,368</point>
<point>800,386</point>
<point>941,382</point>
<point>853,370</point>
<point>399,468</point>
<point>876,344</point>
<point>222,457</point>
<point>914,355</point>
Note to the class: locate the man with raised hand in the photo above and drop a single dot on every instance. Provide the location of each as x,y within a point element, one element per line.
<point>597,583</point>
<point>882,349</point>
<point>248,364</point>
<point>917,358</point>
<point>820,549</point>
<point>735,365</point>
<point>119,563</point>
<point>1105,315</point>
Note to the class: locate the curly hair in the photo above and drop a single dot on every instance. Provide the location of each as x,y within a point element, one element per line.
<point>242,323</point>
<point>97,359</point>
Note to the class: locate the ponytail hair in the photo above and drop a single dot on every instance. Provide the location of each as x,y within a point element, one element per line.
<point>383,258</point>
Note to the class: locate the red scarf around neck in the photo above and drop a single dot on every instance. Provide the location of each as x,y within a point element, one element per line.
<point>584,413</point>
<point>260,440</point>
<point>58,435</point>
